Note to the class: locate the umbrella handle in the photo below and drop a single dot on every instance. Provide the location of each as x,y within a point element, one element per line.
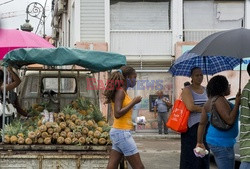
<point>240,75</point>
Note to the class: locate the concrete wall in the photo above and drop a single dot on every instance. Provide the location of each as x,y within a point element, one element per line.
<point>149,84</point>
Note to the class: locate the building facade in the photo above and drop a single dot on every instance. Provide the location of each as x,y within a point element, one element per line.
<point>151,33</point>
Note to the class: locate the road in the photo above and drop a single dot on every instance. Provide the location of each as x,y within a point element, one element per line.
<point>161,153</point>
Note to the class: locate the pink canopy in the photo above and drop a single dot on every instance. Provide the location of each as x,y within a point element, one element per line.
<point>11,39</point>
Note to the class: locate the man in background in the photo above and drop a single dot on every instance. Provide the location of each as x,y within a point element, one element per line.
<point>161,107</point>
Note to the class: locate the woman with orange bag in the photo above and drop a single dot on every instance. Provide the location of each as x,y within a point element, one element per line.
<point>194,97</point>
<point>123,143</point>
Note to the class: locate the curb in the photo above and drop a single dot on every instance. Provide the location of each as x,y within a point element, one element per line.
<point>155,136</point>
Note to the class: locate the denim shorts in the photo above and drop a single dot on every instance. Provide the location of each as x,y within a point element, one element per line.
<point>123,142</point>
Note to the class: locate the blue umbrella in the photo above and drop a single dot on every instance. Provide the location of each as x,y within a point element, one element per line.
<point>208,64</point>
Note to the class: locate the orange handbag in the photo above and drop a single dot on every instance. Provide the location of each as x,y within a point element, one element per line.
<point>178,119</point>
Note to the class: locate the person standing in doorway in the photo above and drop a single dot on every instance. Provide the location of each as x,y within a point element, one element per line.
<point>161,107</point>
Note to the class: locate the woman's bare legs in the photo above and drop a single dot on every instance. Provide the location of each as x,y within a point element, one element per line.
<point>135,161</point>
<point>114,159</point>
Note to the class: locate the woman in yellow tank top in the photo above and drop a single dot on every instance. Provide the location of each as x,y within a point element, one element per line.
<point>123,143</point>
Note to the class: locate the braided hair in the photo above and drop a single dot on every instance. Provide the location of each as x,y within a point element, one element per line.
<point>116,81</point>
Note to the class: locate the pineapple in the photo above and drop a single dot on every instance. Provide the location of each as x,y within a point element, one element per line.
<point>43,128</point>
<point>48,124</point>
<point>31,135</point>
<point>90,133</point>
<point>35,140</point>
<point>57,129</point>
<point>97,134</point>
<point>90,123</point>
<point>39,123</point>
<point>47,140</point>
<point>55,136</point>
<point>63,125</point>
<point>20,135</point>
<point>38,133</point>
<point>67,117</point>
<point>81,140</point>
<point>68,122</point>
<point>83,112</point>
<point>40,140</point>
<point>74,105</point>
<point>63,134</point>
<point>78,134</point>
<point>104,135</point>
<point>61,116</point>
<point>20,140</point>
<point>101,123</point>
<point>68,141</point>
<point>75,141</point>
<point>99,129</point>
<point>72,126</point>
<point>28,141</point>
<point>85,130</point>
<point>39,108</point>
<point>78,122</point>
<point>34,106</point>
<point>55,115</point>
<point>6,139</point>
<point>60,140</point>
<point>13,139</point>
<point>11,132</point>
<point>95,141</point>
<point>88,140</point>
<point>67,130</point>
<point>73,117</point>
<point>45,134</point>
<point>50,130</point>
<point>70,135</point>
<point>54,125</point>
<point>102,141</point>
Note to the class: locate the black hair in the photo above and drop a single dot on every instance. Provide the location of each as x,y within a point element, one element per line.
<point>193,69</point>
<point>1,76</point>
<point>187,84</point>
<point>116,81</point>
<point>248,69</point>
<point>217,86</point>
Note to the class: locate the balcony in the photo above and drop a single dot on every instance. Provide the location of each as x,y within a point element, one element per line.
<point>196,35</point>
<point>141,42</point>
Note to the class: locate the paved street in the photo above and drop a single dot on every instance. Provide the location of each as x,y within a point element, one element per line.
<point>160,152</point>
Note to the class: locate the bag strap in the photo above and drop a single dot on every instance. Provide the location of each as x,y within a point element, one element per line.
<point>212,107</point>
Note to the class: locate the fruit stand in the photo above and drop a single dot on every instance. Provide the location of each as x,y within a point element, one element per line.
<point>75,137</point>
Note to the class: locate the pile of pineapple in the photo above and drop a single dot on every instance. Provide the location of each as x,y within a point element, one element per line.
<point>81,123</point>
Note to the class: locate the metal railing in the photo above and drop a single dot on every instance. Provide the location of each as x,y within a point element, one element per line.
<point>141,42</point>
<point>196,35</point>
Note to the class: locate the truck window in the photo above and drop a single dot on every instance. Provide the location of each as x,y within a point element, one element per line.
<point>68,85</point>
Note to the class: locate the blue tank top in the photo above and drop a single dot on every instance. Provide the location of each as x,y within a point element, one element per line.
<point>199,100</point>
<point>221,138</point>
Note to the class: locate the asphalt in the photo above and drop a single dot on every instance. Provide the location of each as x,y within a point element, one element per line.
<point>153,134</point>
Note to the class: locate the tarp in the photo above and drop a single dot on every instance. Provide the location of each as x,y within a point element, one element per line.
<point>95,61</point>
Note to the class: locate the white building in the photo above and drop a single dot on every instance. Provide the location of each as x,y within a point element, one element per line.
<point>146,31</point>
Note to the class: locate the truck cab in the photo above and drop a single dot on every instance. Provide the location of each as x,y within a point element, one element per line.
<point>55,88</point>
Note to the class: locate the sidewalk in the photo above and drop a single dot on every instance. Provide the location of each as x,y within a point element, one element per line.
<point>153,134</point>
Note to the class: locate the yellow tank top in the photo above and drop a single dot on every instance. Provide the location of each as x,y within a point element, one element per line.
<point>124,122</point>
